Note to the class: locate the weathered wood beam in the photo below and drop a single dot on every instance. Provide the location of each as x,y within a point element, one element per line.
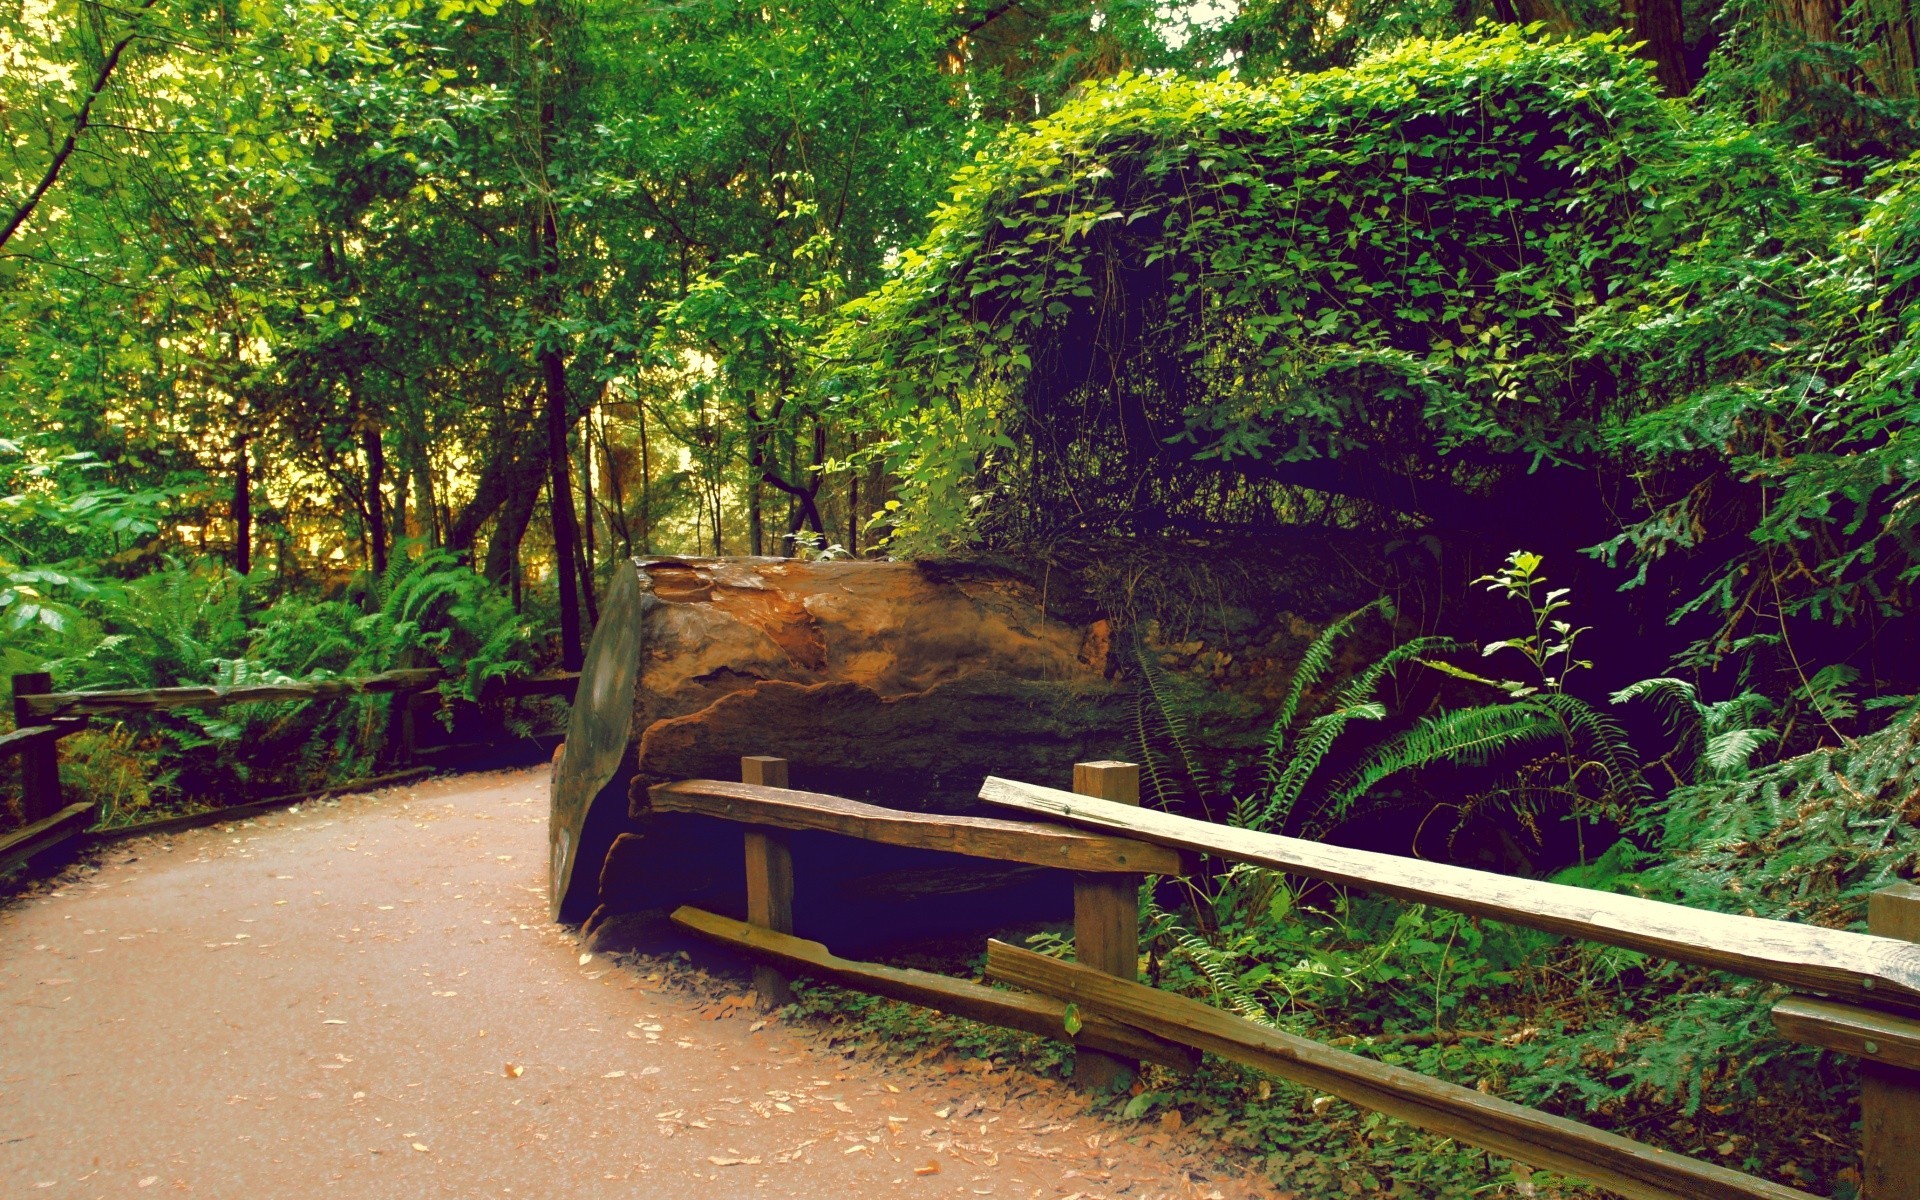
<point>43,835</point>
<point>1013,1010</point>
<point>1043,845</point>
<point>1880,971</point>
<point>1527,1135</point>
<point>107,703</point>
<point>21,740</point>
<point>1864,1033</point>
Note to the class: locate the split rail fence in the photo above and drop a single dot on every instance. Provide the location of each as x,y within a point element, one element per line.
<point>1856,994</point>
<point>43,717</point>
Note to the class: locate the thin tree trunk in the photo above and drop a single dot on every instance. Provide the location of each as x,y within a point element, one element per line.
<point>509,527</point>
<point>423,499</point>
<point>646,487</point>
<point>560,497</point>
<point>242,509</point>
<point>376,454</point>
<point>853,512</point>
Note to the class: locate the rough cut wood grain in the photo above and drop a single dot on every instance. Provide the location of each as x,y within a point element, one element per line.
<point>1106,916</point>
<point>769,878</point>
<point>1013,1010</point>
<point>1865,1033</point>
<point>1524,1134</point>
<point>19,740</point>
<point>43,835</point>
<point>68,704</point>
<point>1043,845</point>
<point>1852,966</point>
<point>39,759</point>
<point>1890,1093</point>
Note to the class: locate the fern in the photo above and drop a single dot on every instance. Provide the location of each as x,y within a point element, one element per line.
<point>1312,668</point>
<point>1160,729</point>
<point>1464,736</point>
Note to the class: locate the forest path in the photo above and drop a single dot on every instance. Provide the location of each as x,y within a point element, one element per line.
<point>365,998</point>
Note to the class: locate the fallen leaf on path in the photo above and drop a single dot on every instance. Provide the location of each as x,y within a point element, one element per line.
<point>149,1181</point>
<point>733,1162</point>
<point>932,1168</point>
<point>614,1075</point>
<point>333,1021</point>
<point>513,1070</point>
<point>420,1146</point>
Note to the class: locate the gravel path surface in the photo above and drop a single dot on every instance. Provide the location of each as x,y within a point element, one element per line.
<point>364,998</point>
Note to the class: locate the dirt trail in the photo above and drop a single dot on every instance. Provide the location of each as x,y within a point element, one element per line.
<point>364,998</point>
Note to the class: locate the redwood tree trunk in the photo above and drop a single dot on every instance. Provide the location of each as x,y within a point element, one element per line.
<point>242,507</point>
<point>560,496</point>
<point>376,502</point>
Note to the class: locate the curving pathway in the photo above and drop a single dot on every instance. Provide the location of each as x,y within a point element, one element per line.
<point>363,998</point>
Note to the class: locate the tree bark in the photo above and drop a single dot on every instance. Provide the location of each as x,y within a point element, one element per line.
<point>560,498</point>
<point>1658,26</point>
<point>376,455</point>
<point>503,548</point>
<point>242,510</point>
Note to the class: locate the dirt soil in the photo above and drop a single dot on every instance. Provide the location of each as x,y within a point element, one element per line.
<point>364,998</point>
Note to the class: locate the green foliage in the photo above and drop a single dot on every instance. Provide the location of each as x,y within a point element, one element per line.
<point>1232,272</point>
<point>186,624</point>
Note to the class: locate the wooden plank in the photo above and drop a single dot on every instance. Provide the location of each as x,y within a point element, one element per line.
<point>107,703</point>
<point>1859,967</point>
<point>1042,845</point>
<point>769,879</point>
<point>40,759</point>
<point>1106,917</point>
<point>1012,1010</point>
<point>35,735</point>
<point>515,687</point>
<point>1890,1092</point>
<point>43,835</point>
<point>240,812</point>
<point>1553,1143</point>
<point>1865,1033</point>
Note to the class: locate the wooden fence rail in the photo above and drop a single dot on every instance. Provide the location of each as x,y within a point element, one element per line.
<point>1865,986</point>
<point>44,716</point>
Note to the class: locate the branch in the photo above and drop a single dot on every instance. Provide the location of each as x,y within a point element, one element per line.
<point>74,131</point>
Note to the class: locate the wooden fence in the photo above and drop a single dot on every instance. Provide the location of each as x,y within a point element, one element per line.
<point>44,716</point>
<point>1856,993</point>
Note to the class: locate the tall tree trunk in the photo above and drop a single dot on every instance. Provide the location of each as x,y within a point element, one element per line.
<point>376,455</point>
<point>560,498</point>
<point>1658,26</point>
<point>503,548</point>
<point>586,556</point>
<point>423,494</point>
<point>853,512</point>
<point>646,487</point>
<point>242,508</point>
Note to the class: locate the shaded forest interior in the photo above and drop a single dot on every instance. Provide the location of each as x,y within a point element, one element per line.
<point>1483,429</point>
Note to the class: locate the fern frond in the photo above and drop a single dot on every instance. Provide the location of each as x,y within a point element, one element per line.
<point>1312,668</point>
<point>1465,736</point>
<point>1315,741</point>
<point>1218,970</point>
<point>1607,742</point>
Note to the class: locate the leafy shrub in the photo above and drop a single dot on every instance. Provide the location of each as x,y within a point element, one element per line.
<point>1176,299</point>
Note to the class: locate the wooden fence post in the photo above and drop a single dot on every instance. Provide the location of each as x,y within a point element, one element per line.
<point>1106,918</point>
<point>1889,1095</point>
<point>39,765</point>
<point>769,879</point>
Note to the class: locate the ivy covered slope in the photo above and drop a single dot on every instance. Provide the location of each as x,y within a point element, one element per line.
<point>1357,295</point>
